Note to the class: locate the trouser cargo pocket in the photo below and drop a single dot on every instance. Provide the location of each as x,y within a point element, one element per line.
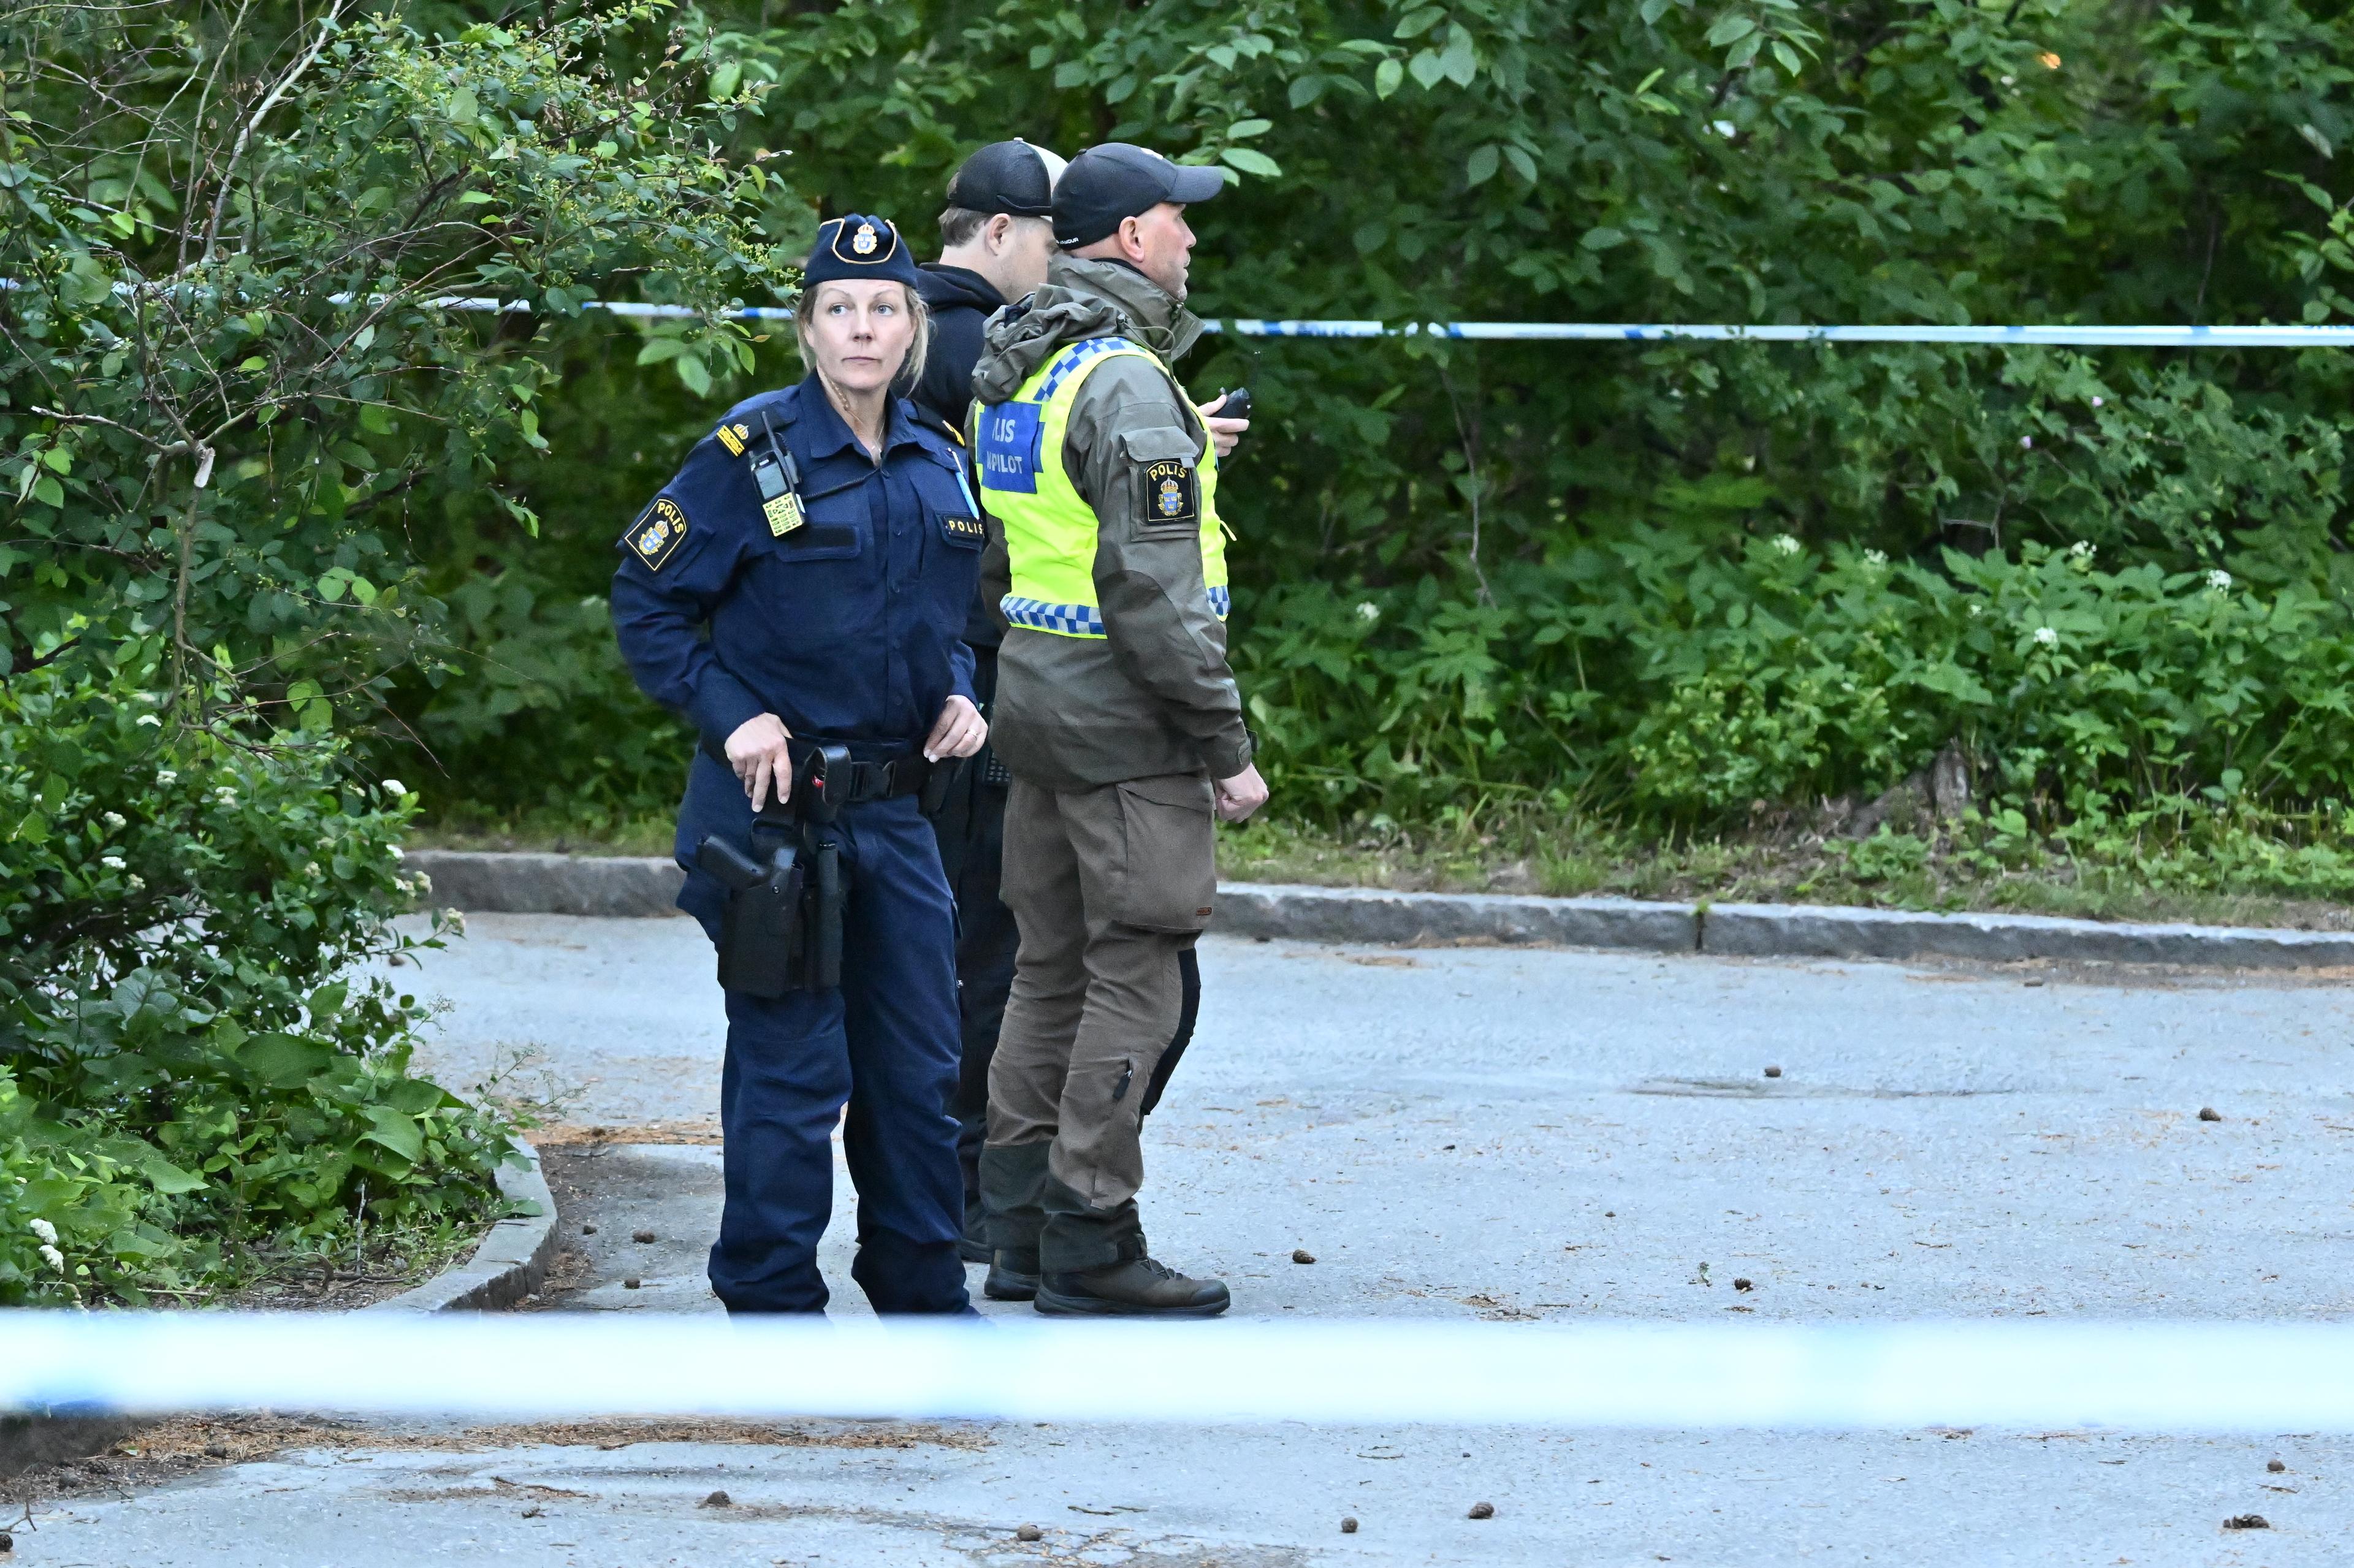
<point>1168,870</point>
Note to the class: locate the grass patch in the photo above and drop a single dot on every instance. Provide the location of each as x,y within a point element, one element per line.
<point>2220,868</point>
<point>2236,873</point>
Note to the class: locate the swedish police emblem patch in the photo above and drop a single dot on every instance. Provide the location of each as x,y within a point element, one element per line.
<point>863,241</point>
<point>1171,493</point>
<point>657,534</point>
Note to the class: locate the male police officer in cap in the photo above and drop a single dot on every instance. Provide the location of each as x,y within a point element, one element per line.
<point>997,236</point>
<point>1119,718</point>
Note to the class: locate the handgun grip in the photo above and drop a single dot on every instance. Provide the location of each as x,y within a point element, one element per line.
<point>731,865</point>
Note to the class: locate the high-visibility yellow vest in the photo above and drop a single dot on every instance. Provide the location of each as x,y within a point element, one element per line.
<point>1050,530</point>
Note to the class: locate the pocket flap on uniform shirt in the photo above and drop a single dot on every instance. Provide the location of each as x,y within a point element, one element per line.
<point>1157,443</point>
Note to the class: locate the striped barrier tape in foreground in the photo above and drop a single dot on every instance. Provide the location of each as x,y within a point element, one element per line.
<point>2141,1377</point>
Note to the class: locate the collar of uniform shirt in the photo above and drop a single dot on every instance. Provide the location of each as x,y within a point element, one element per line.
<point>827,433</point>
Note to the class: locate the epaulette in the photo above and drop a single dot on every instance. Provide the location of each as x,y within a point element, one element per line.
<point>738,431</point>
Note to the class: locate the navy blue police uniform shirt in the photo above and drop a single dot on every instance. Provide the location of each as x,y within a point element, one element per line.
<point>846,625</point>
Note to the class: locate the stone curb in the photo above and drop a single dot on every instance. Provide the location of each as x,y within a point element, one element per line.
<point>549,883</point>
<point>1409,919</point>
<point>510,1264</point>
<point>583,884</point>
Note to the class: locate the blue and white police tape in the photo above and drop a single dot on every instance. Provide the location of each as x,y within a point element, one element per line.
<point>1663,331</point>
<point>2082,336</point>
<point>2140,1377</point>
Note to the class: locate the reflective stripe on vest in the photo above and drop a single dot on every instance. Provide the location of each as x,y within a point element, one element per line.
<point>1050,530</point>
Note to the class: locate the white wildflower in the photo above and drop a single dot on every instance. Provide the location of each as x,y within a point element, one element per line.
<point>1724,127</point>
<point>113,819</point>
<point>165,776</point>
<point>1976,610</point>
<point>137,883</point>
<point>395,786</point>
<point>455,919</point>
<point>111,861</point>
<point>2219,580</point>
<point>1875,558</point>
<point>2046,638</point>
<point>310,868</point>
<point>2008,79</point>
<point>2081,550</point>
<point>395,851</point>
<point>53,1257</point>
<point>225,796</point>
<point>45,1231</point>
<point>2098,401</point>
<point>1786,544</point>
<point>149,719</point>
<point>2027,443</point>
<point>1369,611</point>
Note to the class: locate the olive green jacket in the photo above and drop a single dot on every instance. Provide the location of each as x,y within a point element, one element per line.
<point>1154,695</point>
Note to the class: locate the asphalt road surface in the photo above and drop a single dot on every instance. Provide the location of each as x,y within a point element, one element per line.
<point>1505,1135</point>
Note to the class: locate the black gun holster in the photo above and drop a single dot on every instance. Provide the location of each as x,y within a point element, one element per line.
<point>781,928</point>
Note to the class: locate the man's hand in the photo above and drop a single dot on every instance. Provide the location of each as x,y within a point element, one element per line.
<point>756,752</point>
<point>1240,795</point>
<point>960,732</point>
<point>1224,434</point>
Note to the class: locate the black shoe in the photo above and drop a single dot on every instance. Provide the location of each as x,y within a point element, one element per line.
<point>1008,1280</point>
<point>1138,1289</point>
<point>973,1245</point>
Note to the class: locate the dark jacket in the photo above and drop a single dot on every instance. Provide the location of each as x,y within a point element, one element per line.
<point>961,303</point>
<point>846,627</point>
<point>1154,695</point>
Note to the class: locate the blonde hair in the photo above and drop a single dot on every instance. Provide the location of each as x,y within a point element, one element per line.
<point>911,369</point>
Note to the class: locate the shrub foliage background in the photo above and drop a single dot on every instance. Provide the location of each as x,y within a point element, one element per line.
<point>1483,575</point>
<point>229,398</point>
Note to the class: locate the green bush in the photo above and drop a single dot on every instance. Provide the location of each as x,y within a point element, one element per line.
<point>1691,681</point>
<point>196,1066</point>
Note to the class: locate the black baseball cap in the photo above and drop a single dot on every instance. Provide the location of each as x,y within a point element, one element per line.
<point>1117,180</point>
<point>1007,176</point>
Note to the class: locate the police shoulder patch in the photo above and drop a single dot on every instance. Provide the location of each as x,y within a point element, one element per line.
<point>733,437</point>
<point>1171,493</point>
<point>657,534</point>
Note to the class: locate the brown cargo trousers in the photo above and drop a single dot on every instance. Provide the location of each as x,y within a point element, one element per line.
<point>1108,886</point>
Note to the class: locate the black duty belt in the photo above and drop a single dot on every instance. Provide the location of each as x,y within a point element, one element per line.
<point>837,775</point>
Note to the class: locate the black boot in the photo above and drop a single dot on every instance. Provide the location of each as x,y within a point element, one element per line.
<point>1140,1288</point>
<point>1012,1275</point>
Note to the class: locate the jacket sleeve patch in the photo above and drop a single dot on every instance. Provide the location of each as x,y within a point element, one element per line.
<point>657,534</point>
<point>1171,493</point>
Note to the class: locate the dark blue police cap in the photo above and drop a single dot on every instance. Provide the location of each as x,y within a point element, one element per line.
<point>858,247</point>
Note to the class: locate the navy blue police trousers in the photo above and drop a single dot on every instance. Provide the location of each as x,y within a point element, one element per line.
<point>886,1044</point>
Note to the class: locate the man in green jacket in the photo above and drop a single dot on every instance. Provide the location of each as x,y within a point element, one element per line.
<point>1118,719</point>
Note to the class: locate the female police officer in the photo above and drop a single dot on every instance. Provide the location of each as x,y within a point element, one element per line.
<point>798,591</point>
